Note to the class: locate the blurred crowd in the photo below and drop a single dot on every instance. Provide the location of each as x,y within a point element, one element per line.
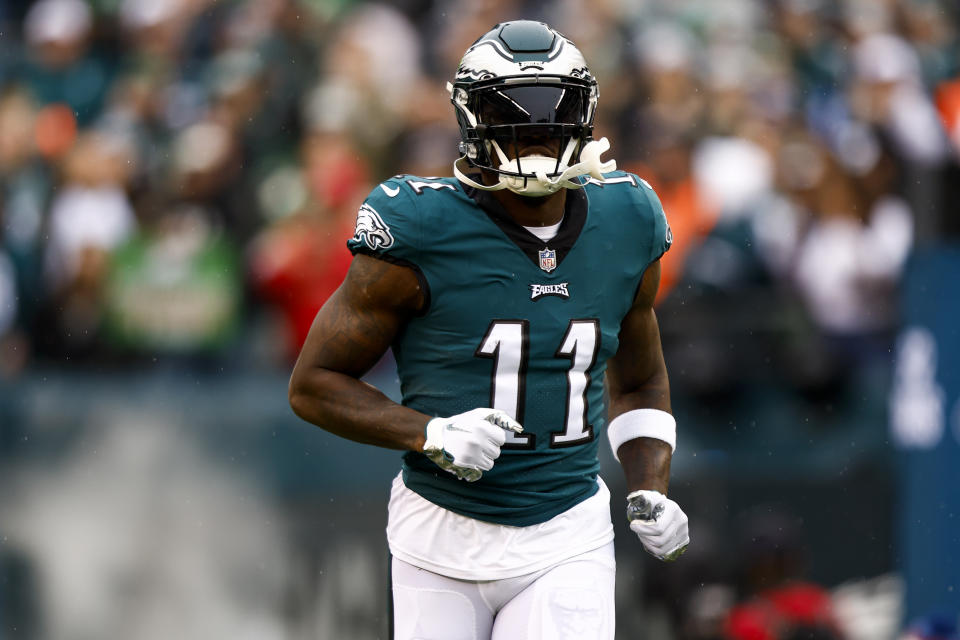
<point>178,178</point>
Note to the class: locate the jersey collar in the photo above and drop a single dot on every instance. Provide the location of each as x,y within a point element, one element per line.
<point>574,218</point>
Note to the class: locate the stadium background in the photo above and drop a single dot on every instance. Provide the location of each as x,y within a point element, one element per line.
<point>178,178</point>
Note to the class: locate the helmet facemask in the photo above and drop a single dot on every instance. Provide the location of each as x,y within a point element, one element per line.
<point>533,131</point>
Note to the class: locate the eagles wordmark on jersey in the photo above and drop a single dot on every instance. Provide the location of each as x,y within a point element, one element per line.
<point>514,323</point>
<point>559,289</point>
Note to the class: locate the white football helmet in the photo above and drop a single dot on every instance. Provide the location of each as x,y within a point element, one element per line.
<point>524,81</point>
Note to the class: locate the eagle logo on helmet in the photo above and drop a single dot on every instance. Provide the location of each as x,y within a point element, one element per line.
<point>371,230</point>
<point>521,47</point>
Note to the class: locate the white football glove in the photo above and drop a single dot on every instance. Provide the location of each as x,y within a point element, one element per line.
<point>467,444</point>
<point>660,524</point>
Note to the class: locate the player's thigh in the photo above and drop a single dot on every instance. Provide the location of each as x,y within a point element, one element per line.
<point>574,600</point>
<point>428,606</point>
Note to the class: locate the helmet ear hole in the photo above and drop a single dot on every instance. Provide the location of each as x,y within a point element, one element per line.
<point>469,150</point>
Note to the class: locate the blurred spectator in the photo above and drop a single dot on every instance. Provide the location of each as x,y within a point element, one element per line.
<point>776,603</point>
<point>455,25</point>
<point>60,66</point>
<point>699,592</point>
<point>157,31</point>
<point>733,173</point>
<point>282,35</point>
<point>948,106</point>
<point>870,608</point>
<point>175,288</point>
<point>931,30</point>
<point>815,53</point>
<point>889,93</point>
<point>89,218</point>
<point>691,218</point>
<point>208,169</point>
<point>849,261</point>
<point>373,66</point>
<point>301,258</point>
<point>864,18</point>
<point>16,212</point>
<point>666,56</point>
<point>24,191</point>
<point>252,132</point>
<point>10,340</point>
<point>8,296</point>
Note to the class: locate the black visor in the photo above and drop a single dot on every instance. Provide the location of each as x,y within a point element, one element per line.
<point>532,105</point>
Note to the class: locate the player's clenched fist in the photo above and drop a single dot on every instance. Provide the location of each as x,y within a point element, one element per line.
<point>467,444</point>
<point>659,522</point>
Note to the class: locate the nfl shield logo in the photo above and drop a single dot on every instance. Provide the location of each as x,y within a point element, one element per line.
<point>548,260</point>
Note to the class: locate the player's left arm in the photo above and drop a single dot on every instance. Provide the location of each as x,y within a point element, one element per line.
<point>642,430</point>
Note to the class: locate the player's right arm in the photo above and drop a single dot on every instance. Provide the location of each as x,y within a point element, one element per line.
<point>349,335</point>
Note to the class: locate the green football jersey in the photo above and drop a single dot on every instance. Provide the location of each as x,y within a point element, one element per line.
<point>516,324</point>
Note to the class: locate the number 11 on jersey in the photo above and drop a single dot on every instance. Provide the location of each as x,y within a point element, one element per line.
<point>507,344</point>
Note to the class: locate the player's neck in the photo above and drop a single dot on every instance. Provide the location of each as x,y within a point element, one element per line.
<point>533,212</point>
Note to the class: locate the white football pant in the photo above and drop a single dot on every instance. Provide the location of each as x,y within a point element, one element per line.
<point>571,600</point>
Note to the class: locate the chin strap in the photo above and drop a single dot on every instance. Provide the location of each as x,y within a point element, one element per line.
<point>462,177</point>
<point>539,184</point>
<point>589,164</point>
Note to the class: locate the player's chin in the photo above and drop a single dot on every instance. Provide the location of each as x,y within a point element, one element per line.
<point>536,146</point>
<point>538,150</point>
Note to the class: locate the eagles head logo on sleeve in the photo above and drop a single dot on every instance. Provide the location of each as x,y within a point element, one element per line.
<point>371,230</point>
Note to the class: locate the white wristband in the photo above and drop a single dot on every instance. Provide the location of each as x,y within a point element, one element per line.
<point>642,423</point>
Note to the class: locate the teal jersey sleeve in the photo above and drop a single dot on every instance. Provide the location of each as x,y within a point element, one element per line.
<point>629,203</point>
<point>388,225</point>
<point>661,237</point>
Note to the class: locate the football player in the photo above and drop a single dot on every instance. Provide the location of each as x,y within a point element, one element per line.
<point>511,294</point>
